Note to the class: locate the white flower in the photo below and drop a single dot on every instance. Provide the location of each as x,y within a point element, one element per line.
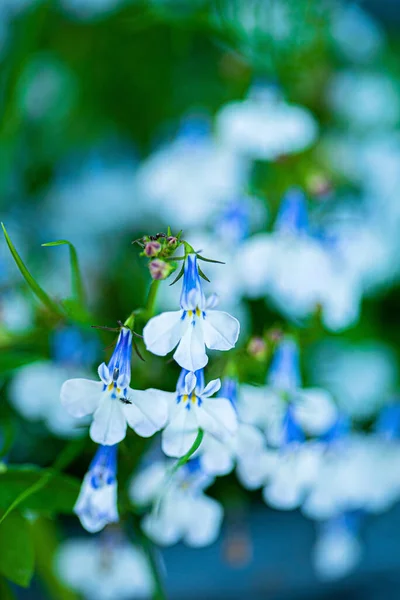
<point>34,392</point>
<point>297,271</point>
<point>181,511</point>
<point>337,550</point>
<point>193,328</point>
<point>190,179</point>
<point>219,456</point>
<point>296,469</point>
<point>96,506</point>
<point>282,408</point>
<point>264,127</point>
<point>112,402</point>
<point>104,569</point>
<point>192,408</point>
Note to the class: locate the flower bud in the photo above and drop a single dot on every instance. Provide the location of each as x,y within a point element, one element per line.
<point>159,269</point>
<point>172,240</point>
<point>152,249</point>
<point>257,348</point>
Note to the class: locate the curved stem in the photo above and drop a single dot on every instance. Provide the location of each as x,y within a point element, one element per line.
<point>151,298</point>
<point>196,444</point>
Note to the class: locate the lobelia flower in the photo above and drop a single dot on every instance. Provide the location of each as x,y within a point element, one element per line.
<point>192,408</point>
<point>218,457</point>
<point>286,413</point>
<point>194,327</point>
<point>182,511</point>
<point>299,271</point>
<point>96,506</point>
<point>112,402</point>
<point>282,403</point>
<point>264,126</point>
<point>105,568</point>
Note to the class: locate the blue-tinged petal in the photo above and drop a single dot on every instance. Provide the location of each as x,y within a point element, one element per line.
<point>180,433</point>
<point>190,382</point>
<point>119,365</point>
<point>81,397</point>
<point>192,295</point>
<point>163,333</point>
<point>211,388</point>
<point>284,371</point>
<point>96,508</point>
<point>190,353</point>
<point>220,330</point>
<point>104,374</point>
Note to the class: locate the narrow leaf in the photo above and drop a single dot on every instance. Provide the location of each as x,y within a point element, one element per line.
<point>179,276</point>
<point>76,277</point>
<point>210,260</point>
<point>35,287</point>
<point>203,275</point>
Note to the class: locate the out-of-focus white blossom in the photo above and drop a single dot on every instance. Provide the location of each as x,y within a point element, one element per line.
<point>106,568</point>
<point>190,179</point>
<point>264,126</point>
<point>181,510</point>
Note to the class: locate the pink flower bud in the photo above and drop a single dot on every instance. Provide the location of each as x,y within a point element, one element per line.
<point>257,347</point>
<point>172,240</point>
<point>159,269</point>
<point>152,248</point>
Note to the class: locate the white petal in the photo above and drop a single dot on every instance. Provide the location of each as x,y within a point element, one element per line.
<point>179,435</point>
<point>146,486</point>
<point>162,333</point>
<point>191,352</point>
<point>104,373</point>
<point>216,457</point>
<point>217,416</point>
<point>148,412</point>
<point>220,330</point>
<point>81,397</point>
<point>109,423</point>
<point>315,411</point>
<point>165,525</point>
<point>212,301</point>
<point>205,524</point>
<point>336,553</point>
<point>211,388</point>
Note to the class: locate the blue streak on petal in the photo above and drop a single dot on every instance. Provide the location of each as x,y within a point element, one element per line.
<point>284,371</point>
<point>192,295</point>
<point>292,215</point>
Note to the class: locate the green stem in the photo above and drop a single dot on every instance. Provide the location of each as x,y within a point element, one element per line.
<point>196,444</point>
<point>151,298</point>
<point>149,550</point>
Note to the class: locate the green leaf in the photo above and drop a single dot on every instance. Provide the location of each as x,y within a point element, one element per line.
<point>42,490</point>
<point>35,287</point>
<point>178,277</point>
<point>16,550</point>
<point>5,590</point>
<point>202,274</point>
<point>76,277</point>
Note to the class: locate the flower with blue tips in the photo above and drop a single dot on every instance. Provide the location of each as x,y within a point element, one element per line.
<point>193,328</point>
<point>112,402</point>
<point>192,408</point>
<point>96,506</point>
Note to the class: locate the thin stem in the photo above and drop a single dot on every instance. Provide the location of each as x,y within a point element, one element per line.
<point>149,549</point>
<point>196,444</point>
<point>151,298</point>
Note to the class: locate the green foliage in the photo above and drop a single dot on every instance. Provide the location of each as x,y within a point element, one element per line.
<point>16,550</point>
<point>50,492</point>
<point>76,277</point>
<point>30,280</point>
